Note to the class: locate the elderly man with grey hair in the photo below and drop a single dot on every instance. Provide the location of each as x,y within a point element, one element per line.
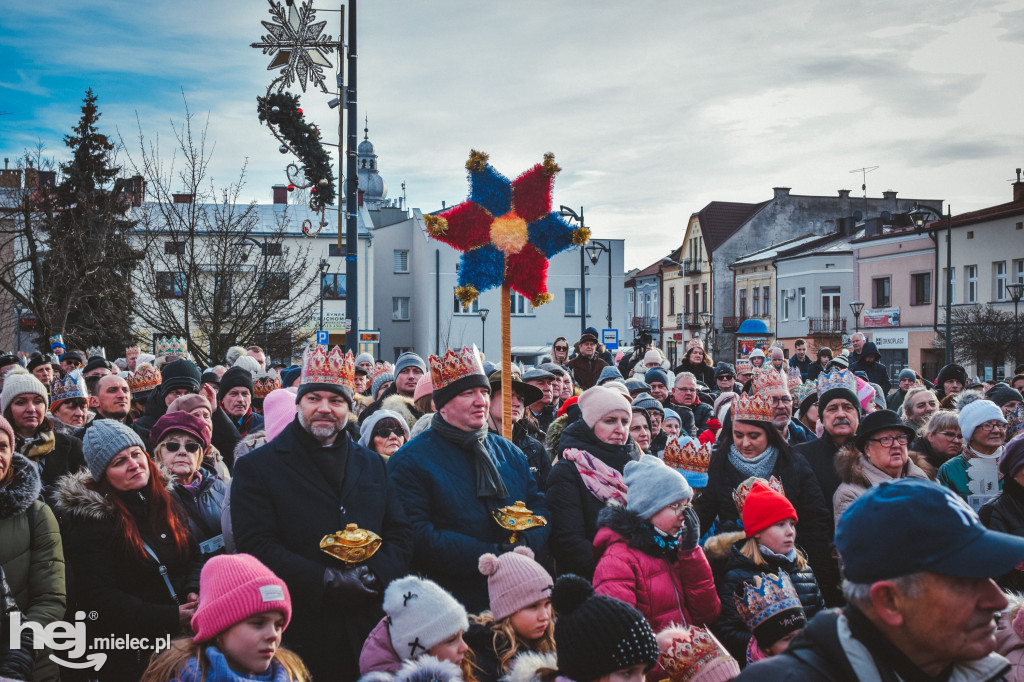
<point>922,601</point>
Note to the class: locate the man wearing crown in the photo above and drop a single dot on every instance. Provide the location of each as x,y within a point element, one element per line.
<point>774,386</point>
<point>455,475</point>
<point>308,483</point>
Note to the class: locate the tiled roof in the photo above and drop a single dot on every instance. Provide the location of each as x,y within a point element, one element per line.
<point>1006,210</point>
<point>774,249</point>
<point>720,219</point>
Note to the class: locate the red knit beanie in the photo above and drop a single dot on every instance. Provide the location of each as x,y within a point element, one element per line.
<point>765,507</point>
<point>233,587</point>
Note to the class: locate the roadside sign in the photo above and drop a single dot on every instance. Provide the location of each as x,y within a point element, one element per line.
<point>369,336</point>
<point>610,338</point>
<point>323,337</point>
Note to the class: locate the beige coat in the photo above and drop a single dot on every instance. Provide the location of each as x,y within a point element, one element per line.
<point>858,474</point>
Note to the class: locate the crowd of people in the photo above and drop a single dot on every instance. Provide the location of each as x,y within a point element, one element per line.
<point>776,517</point>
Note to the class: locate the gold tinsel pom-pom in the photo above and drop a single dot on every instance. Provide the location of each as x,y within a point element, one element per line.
<point>541,299</point>
<point>477,161</point>
<point>580,236</point>
<point>466,294</point>
<point>550,167</point>
<point>436,225</point>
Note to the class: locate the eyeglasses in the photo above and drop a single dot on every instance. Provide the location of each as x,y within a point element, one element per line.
<point>685,390</point>
<point>784,399</point>
<point>952,435</point>
<point>561,347</point>
<point>993,426</point>
<point>680,507</point>
<point>887,441</point>
<point>73,363</point>
<point>191,446</point>
<point>385,433</point>
<point>726,377</point>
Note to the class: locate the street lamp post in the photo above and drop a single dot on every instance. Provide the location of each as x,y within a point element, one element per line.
<point>567,212</point>
<point>857,307</point>
<point>706,319</point>
<point>1016,291</point>
<point>325,267</point>
<point>483,329</point>
<point>918,215</point>
<point>594,250</point>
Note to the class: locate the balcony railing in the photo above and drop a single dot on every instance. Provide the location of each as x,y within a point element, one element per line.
<point>822,326</point>
<point>731,323</point>
<point>646,323</point>
<point>691,267</point>
<point>691,320</point>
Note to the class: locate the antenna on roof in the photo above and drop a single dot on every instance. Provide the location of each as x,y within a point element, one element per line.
<point>864,183</point>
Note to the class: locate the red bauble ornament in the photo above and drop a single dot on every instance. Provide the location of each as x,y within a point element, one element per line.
<point>291,188</point>
<point>299,111</point>
<point>313,191</point>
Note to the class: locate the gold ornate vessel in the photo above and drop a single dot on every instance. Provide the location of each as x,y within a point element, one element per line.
<point>517,518</point>
<point>352,545</point>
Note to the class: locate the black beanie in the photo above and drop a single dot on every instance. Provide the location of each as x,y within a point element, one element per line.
<point>444,394</point>
<point>233,378</point>
<point>1001,394</point>
<point>596,635</point>
<point>181,373</point>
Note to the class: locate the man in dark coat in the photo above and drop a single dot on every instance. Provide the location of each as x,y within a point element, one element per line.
<point>308,483</point>
<point>455,475</point>
<point>907,378</point>
<point>523,394</point>
<point>685,399</point>
<point>543,408</point>
<point>824,354</point>
<point>234,398</point>
<point>870,363</point>
<point>586,367</point>
<point>800,360</point>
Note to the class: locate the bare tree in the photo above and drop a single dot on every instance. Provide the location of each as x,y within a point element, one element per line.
<point>216,271</point>
<point>982,333</point>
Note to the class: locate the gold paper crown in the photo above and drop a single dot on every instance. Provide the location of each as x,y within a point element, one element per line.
<point>688,457</point>
<point>378,369</point>
<point>144,378</point>
<point>765,596</point>
<point>795,377</point>
<point>334,367</point>
<point>739,496</point>
<point>170,345</point>
<point>446,370</point>
<point>266,382</point>
<point>132,351</point>
<point>96,352</point>
<point>756,408</point>
<point>769,378</point>
<point>838,378</point>
<point>71,386</point>
<point>690,652</point>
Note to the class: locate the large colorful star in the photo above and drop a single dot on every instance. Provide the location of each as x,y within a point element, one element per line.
<point>506,230</point>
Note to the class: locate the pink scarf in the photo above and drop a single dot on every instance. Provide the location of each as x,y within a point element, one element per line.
<point>602,481</point>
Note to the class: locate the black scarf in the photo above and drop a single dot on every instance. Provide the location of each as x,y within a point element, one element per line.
<point>488,480</point>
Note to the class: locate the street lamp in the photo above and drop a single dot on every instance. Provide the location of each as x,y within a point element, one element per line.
<point>483,329</point>
<point>594,250</point>
<point>705,317</point>
<point>566,212</point>
<point>918,215</point>
<point>1016,291</point>
<point>325,267</point>
<point>857,307</point>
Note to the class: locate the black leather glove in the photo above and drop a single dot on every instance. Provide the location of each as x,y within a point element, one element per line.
<point>690,534</point>
<point>347,587</point>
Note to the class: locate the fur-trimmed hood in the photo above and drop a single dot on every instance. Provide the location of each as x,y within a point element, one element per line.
<point>554,435</point>
<point>422,669</point>
<point>73,496</point>
<point>527,667</point>
<point>66,429</point>
<point>849,463</point>
<point>23,490</point>
<point>401,405</point>
<point>718,547</point>
<point>625,526</point>
<point>250,442</point>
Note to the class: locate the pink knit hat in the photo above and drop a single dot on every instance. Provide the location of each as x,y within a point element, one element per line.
<point>423,387</point>
<point>233,587</point>
<point>598,401</point>
<point>6,427</point>
<point>514,581</point>
<point>279,410</point>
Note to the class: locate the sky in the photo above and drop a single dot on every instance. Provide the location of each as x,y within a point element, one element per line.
<point>653,108</point>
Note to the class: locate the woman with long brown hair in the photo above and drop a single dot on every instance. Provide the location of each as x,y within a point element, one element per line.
<point>127,541</point>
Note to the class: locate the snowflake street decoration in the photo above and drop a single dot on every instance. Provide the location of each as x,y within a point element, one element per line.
<point>299,49</point>
<point>506,230</point>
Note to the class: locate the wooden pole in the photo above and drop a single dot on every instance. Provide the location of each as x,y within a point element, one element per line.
<point>506,362</point>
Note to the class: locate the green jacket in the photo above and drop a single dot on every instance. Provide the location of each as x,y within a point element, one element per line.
<point>32,555</point>
<point>953,475</point>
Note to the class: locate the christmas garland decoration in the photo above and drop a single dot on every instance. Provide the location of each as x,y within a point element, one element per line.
<point>506,230</point>
<point>281,109</point>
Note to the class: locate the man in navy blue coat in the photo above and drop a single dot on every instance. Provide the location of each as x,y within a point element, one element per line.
<point>309,482</point>
<point>454,475</point>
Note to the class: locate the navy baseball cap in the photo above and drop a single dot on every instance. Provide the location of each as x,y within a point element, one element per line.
<point>912,525</point>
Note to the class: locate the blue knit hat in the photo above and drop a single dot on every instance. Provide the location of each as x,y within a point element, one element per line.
<point>652,485</point>
<point>656,374</point>
<point>609,374</point>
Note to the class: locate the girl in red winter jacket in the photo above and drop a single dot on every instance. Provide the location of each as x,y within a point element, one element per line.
<point>648,550</point>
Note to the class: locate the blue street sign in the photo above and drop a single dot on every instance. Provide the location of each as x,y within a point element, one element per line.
<point>322,338</point>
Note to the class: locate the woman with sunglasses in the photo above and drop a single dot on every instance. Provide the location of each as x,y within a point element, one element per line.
<point>384,432</point>
<point>560,351</point>
<point>181,441</point>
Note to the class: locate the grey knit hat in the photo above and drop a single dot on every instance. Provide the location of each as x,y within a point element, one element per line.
<point>409,359</point>
<point>652,485</point>
<point>103,440</point>
<point>17,382</point>
<point>645,401</point>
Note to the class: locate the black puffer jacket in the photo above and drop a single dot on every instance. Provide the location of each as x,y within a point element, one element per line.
<point>480,639</point>
<point>731,629</point>
<point>204,505</point>
<point>1005,513</point>
<point>876,371</point>
<point>573,509</point>
<point>536,455</point>
<point>704,372</point>
<point>64,458</point>
<point>695,418</point>
<point>17,662</point>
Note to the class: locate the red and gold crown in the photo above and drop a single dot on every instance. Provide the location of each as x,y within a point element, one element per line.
<point>380,368</point>
<point>446,370</point>
<point>687,652</point>
<point>264,383</point>
<point>756,408</point>
<point>768,378</point>
<point>145,378</point>
<point>739,496</point>
<point>322,367</point>
<point>689,456</point>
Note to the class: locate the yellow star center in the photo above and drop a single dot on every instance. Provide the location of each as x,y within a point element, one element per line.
<point>509,233</point>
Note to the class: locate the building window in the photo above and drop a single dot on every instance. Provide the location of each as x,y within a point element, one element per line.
<point>572,302</point>
<point>520,304</point>
<point>1018,269</point>
<point>881,289</point>
<point>174,249</point>
<point>271,249</point>
<point>334,286</point>
<point>784,304</point>
<point>400,308</point>
<point>696,299</point>
<point>1000,271</point>
<point>686,298</point>
<point>755,307</point>
<point>972,283</point>
<point>704,297</point>
<point>830,306</point>
<point>275,286</point>
<point>766,296</point>
<point>401,261</point>
<point>921,288</point>
<point>743,303</point>
<point>671,300</point>
<point>471,309</point>
<point>334,250</point>
<point>170,284</point>
<point>802,303</point>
